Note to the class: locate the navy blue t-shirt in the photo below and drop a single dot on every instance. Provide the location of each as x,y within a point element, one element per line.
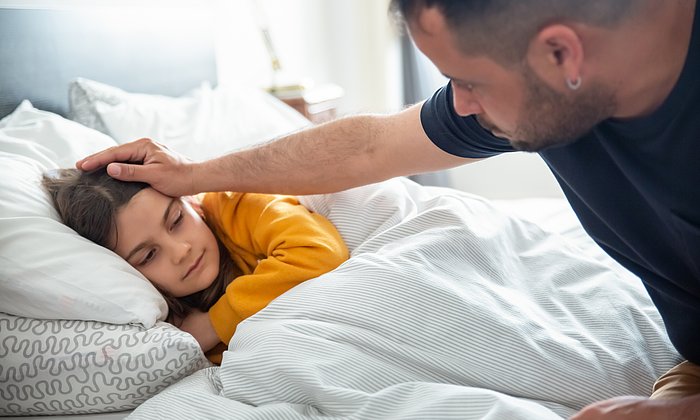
<point>634,184</point>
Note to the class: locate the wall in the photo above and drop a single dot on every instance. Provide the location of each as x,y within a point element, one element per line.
<point>513,175</point>
<point>346,42</point>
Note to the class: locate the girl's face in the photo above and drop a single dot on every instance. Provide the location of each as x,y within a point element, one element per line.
<point>168,242</point>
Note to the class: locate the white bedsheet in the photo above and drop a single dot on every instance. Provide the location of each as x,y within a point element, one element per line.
<point>447,309</point>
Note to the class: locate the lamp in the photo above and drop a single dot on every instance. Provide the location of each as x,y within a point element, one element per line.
<point>279,86</point>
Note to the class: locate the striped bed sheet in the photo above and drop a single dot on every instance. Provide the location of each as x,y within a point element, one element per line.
<point>449,308</point>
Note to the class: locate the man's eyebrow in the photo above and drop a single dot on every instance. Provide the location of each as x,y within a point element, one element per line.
<point>454,79</point>
<point>165,221</point>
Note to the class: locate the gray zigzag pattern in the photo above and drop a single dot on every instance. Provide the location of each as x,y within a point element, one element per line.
<point>79,367</point>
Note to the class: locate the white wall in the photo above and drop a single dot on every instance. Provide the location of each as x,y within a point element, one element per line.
<point>346,42</point>
<point>513,175</point>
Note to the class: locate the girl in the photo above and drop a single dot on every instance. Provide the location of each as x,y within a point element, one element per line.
<point>217,260</point>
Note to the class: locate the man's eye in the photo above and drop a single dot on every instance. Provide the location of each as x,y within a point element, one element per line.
<point>464,85</point>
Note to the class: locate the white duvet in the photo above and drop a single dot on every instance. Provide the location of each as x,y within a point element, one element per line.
<point>447,309</point>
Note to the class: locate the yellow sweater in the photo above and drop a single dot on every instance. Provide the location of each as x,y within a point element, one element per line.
<point>276,242</point>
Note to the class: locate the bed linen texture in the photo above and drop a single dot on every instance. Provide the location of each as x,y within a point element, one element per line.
<point>447,309</point>
<point>78,367</point>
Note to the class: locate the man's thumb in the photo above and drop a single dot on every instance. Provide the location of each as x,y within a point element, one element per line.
<point>114,170</point>
<point>122,171</point>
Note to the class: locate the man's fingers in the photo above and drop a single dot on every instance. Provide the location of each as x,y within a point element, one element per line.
<point>130,152</point>
<point>127,172</point>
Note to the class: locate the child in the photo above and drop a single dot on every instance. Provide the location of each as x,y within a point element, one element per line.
<point>216,261</point>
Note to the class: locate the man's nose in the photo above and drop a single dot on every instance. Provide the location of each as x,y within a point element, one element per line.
<point>464,102</point>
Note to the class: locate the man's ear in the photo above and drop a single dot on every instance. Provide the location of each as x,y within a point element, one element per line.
<point>555,54</point>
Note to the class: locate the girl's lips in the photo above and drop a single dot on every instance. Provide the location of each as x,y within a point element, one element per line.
<point>194,266</point>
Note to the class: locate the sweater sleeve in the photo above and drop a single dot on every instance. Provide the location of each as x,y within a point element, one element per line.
<point>277,243</point>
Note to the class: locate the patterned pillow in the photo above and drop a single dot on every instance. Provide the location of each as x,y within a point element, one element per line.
<point>51,367</point>
<point>83,94</point>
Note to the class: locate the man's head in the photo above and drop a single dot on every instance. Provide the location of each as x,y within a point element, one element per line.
<point>502,29</point>
<point>519,66</point>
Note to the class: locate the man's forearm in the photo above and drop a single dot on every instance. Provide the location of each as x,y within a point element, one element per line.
<point>335,156</point>
<point>634,407</point>
<point>332,157</point>
<point>689,408</point>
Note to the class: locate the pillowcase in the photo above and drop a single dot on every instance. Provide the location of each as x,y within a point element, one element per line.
<point>49,138</point>
<point>47,270</point>
<point>75,367</point>
<point>202,124</point>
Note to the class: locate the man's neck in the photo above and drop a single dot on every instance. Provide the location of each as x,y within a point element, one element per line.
<point>650,56</point>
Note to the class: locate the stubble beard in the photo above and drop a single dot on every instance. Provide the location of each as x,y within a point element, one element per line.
<point>550,118</point>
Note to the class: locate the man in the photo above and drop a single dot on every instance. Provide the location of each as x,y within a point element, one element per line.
<point>606,91</point>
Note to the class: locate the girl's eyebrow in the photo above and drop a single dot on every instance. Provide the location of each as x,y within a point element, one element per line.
<point>165,221</point>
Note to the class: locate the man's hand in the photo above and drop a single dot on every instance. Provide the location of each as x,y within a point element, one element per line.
<point>198,324</point>
<point>640,408</point>
<point>163,169</point>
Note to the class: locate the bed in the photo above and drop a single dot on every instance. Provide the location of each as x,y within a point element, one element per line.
<point>450,307</point>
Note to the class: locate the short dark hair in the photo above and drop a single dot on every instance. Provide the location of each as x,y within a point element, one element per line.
<point>502,29</point>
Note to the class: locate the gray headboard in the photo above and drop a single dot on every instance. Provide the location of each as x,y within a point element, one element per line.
<point>166,50</point>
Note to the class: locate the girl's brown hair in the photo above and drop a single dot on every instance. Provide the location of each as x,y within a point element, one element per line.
<point>88,203</point>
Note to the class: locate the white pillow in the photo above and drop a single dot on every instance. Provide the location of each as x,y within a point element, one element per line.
<point>48,271</point>
<point>49,138</point>
<point>202,124</point>
<point>75,367</point>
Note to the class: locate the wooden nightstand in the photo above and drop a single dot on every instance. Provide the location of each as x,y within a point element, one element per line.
<point>319,104</point>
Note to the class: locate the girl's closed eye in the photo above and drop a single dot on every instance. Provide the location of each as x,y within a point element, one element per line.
<point>150,256</point>
<point>178,219</point>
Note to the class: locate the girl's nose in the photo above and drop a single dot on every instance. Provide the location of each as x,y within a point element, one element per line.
<point>180,249</point>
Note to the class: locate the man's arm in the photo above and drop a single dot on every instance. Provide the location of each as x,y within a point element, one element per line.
<point>341,154</point>
<point>687,408</point>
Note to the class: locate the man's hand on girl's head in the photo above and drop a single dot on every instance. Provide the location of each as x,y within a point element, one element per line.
<point>163,169</point>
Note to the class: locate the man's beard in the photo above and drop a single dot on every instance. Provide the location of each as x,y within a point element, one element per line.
<point>549,118</point>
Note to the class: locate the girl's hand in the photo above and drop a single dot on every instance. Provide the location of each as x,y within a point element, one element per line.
<point>198,324</point>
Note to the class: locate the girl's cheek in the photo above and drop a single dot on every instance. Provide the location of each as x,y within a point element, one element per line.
<point>148,272</point>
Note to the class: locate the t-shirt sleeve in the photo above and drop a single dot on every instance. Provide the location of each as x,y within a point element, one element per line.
<point>459,136</point>
<point>290,243</point>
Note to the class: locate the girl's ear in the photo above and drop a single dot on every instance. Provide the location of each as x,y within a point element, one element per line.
<point>196,205</point>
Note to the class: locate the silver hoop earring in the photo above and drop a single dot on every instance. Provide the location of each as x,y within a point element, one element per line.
<point>574,84</point>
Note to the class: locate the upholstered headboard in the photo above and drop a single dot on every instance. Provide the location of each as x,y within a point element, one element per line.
<point>166,50</point>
